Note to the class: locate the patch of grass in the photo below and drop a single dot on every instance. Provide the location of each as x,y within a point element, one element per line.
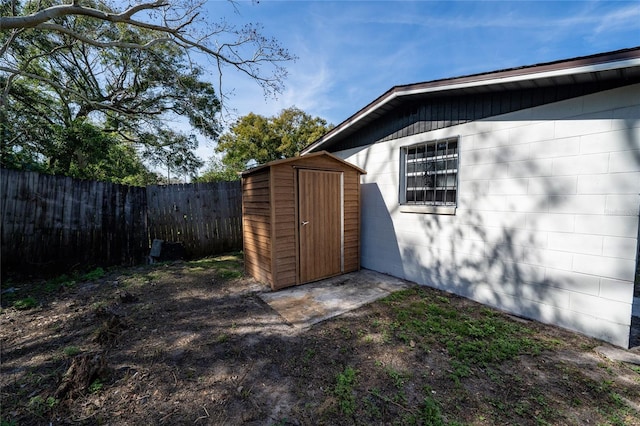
<point>308,355</point>
<point>71,351</point>
<point>222,337</point>
<point>97,306</point>
<point>96,386</point>
<point>430,413</point>
<point>346,332</point>
<point>55,284</point>
<point>372,407</point>
<point>39,406</point>
<point>26,303</point>
<point>619,412</point>
<point>343,390</point>
<point>399,378</point>
<point>482,339</point>
<point>226,267</point>
<point>229,274</point>
<point>94,275</point>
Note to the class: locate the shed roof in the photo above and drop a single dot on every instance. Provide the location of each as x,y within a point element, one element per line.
<point>296,159</point>
<point>621,64</point>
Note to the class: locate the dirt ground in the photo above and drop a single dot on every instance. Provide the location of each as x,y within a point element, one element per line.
<point>192,343</point>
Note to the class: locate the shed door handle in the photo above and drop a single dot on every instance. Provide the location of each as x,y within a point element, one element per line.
<point>304,222</point>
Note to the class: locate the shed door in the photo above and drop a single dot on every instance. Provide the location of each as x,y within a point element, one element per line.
<point>320,213</point>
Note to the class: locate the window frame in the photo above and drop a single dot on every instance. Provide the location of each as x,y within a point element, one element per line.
<point>430,206</point>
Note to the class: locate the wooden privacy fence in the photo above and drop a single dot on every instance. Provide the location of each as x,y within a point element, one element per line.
<point>53,223</point>
<point>205,217</point>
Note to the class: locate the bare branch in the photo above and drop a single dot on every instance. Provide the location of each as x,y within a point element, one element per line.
<point>176,25</point>
<point>59,11</point>
<point>10,39</point>
<point>96,43</point>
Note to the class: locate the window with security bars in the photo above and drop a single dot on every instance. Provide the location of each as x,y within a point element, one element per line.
<point>430,173</point>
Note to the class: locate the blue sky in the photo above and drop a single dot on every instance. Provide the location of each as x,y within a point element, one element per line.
<point>350,52</point>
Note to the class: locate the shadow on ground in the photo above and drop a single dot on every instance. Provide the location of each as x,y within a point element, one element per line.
<point>193,343</point>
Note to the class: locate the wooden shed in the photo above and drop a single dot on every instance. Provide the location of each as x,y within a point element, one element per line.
<point>301,219</point>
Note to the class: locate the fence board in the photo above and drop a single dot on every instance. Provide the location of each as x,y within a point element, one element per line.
<point>53,223</point>
<point>196,215</point>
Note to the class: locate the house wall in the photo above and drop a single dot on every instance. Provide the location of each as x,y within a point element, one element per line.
<point>547,219</point>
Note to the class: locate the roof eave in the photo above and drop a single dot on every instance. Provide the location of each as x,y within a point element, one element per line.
<point>488,79</point>
<point>293,159</point>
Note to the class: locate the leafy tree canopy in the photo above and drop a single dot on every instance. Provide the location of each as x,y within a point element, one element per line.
<point>183,25</point>
<point>217,172</point>
<point>79,78</point>
<point>254,139</point>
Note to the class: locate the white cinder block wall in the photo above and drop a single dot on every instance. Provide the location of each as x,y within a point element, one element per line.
<point>547,219</point>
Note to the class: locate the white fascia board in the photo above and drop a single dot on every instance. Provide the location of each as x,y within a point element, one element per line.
<point>609,66</point>
<point>606,66</point>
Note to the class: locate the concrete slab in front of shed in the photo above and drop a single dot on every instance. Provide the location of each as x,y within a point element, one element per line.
<point>308,304</point>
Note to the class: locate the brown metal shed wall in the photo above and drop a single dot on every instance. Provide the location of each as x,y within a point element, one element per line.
<point>351,221</point>
<point>284,222</point>
<point>270,219</point>
<point>256,225</point>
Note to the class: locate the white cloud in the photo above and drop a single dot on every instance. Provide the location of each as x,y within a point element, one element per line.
<point>622,19</point>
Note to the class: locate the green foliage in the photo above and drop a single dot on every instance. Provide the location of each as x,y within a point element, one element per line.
<point>172,151</point>
<point>82,150</point>
<point>26,303</point>
<point>93,112</point>
<point>399,378</point>
<point>93,275</point>
<point>71,351</point>
<point>4,422</point>
<point>55,284</point>
<point>343,390</point>
<point>229,274</point>
<point>472,341</point>
<point>226,267</point>
<point>216,171</point>
<point>65,281</point>
<point>255,139</point>
<point>39,406</point>
<point>96,386</point>
<point>430,412</point>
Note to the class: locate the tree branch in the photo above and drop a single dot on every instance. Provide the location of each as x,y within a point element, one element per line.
<point>96,43</point>
<point>96,105</point>
<point>176,28</point>
<point>59,11</point>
